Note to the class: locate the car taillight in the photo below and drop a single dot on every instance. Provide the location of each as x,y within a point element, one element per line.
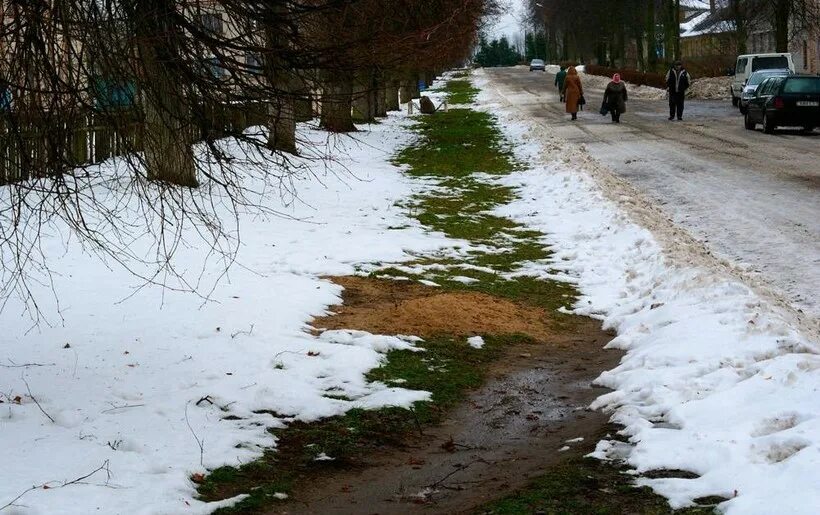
<point>778,103</point>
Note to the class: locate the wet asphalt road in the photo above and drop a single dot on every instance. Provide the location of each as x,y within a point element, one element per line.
<point>752,198</point>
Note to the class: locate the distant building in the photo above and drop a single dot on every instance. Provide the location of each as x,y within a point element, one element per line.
<point>708,32</point>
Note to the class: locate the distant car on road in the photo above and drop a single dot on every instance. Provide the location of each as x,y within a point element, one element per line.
<point>754,81</point>
<point>538,64</point>
<point>790,101</point>
<point>747,64</point>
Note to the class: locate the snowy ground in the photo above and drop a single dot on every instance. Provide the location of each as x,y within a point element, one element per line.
<point>717,380</point>
<point>141,388</point>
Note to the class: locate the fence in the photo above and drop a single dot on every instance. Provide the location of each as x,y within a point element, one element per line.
<point>32,144</point>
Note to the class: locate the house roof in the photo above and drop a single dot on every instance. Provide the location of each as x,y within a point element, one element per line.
<point>706,22</point>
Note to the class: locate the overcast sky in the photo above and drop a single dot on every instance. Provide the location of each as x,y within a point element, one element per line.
<point>510,23</point>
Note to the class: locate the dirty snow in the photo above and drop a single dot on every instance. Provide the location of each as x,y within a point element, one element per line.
<point>147,387</point>
<point>717,379</point>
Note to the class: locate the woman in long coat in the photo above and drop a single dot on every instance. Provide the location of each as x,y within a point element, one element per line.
<point>573,91</point>
<point>615,98</point>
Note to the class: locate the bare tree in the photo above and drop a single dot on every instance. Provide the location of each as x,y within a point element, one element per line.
<point>197,100</point>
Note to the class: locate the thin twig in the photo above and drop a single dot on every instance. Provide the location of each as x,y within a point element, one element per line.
<point>125,406</point>
<point>104,466</point>
<point>248,332</point>
<point>11,503</point>
<point>456,471</point>
<point>207,398</point>
<point>23,377</point>
<point>200,443</point>
<point>26,365</point>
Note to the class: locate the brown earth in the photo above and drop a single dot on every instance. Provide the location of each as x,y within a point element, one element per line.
<point>508,432</point>
<point>382,306</point>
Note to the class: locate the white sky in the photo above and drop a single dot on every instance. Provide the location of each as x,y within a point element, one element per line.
<point>510,23</point>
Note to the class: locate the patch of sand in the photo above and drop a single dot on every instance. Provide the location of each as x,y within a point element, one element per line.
<point>398,307</point>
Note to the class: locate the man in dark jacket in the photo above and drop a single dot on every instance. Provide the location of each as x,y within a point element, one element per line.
<point>560,77</point>
<point>677,82</point>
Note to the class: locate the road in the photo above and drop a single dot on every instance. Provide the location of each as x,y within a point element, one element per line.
<point>751,198</point>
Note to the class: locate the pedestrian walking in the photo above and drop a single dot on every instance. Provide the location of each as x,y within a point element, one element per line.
<point>559,81</point>
<point>573,92</point>
<point>677,82</point>
<point>615,98</point>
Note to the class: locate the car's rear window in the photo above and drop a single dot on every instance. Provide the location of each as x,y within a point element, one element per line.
<point>767,63</point>
<point>757,78</point>
<point>802,85</point>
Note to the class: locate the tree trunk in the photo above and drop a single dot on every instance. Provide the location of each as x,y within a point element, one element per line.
<point>303,104</point>
<point>364,99</point>
<point>413,84</point>
<point>677,29</point>
<point>392,95</point>
<point>741,25</point>
<point>651,43</point>
<point>641,53</point>
<point>168,153</point>
<point>781,25</point>
<point>336,106</point>
<point>380,96</point>
<point>168,136</point>
<point>282,116</point>
<point>406,91</point>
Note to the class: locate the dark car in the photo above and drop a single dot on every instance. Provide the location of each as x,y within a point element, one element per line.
<point>791,101</point>
<point>750,86</point>
<point>538,64</point>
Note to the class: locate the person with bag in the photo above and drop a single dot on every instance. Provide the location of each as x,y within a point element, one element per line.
<point>573,92</point>
<point>615,98</point>
<point>559,81</point>
<point>677,82</point>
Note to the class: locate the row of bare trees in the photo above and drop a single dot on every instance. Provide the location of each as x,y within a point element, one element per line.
<point>173,65</point>
<point>605,29</point>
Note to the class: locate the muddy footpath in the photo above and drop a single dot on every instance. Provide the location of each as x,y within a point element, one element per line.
<point>530,413</point>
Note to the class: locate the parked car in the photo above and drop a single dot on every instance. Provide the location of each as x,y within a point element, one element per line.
<point>747,64</point>
<point>754,81</point>
<point>538,64</point>
<point>790,101</point>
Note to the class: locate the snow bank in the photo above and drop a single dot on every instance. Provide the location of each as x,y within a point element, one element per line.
<point>149,386</point>
<point>716,380</point>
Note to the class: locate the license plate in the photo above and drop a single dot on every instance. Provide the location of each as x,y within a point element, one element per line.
<point>807,103</point>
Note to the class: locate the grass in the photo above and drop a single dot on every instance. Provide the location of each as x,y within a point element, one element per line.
<point>587,486</point>
<point>460,91</point>
<point>457,144</point>
<point>453,147</point>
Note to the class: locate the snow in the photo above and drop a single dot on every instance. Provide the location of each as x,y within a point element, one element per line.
<point>716,379</point>
<point>475,342</point>
<point>155,385</point>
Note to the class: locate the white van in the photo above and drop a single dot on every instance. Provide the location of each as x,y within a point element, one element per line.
<point>748,63</point>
